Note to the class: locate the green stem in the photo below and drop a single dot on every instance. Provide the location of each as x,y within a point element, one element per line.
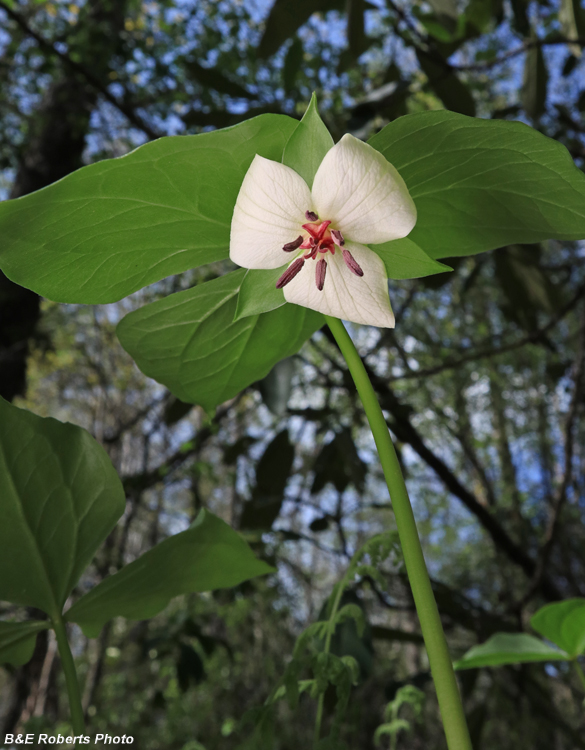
<point>75,708</point>
<point>432,630</point>
<point>580,674</point>
<point>330,631</point>
<point>394,735</point>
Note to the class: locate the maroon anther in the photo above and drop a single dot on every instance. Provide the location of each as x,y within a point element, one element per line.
<point>311,216</point>
<point>337,237</point>
<point>320,272</point>
<point>291,272</point>
<point>351,263</point>
<point>290,246</point>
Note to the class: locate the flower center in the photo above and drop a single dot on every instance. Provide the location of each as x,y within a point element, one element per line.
<point>319,240</point>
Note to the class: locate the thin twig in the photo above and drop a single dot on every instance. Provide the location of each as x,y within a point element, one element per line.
<point>530,338</point>
<point>524,47</point>
<point>132,116</point>
<point>560,498</point>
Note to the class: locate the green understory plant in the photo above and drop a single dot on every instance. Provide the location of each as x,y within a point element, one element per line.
<point>314,651</point>
<point>319,228</point>
<point>406,695</point>
<point>60,498</point>
<point>560,623</point>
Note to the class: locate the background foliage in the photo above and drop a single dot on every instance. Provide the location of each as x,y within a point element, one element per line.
<point>482,380</point>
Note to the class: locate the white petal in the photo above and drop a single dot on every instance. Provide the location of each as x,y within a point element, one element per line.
<point>269,212</point>
<point>347,296</point>
<point>362,194</point>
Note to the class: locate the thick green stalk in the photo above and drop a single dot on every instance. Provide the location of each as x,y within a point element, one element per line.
<point>68,665</point>
<point>432,630</point>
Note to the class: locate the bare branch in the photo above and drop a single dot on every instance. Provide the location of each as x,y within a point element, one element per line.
<point>560,497</point>
<point>132,116</point>
<point>527,45</point>
<point>488,352</point>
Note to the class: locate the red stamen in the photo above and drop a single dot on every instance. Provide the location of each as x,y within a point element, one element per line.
<point>290,273</point>
<point>290,246</point>
<point>351,263</point>
<point>320,271</point>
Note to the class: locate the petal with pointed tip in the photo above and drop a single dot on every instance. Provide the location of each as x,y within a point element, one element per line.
<point>269,212</point>
<point>358,299</point>
<point>363,194</point>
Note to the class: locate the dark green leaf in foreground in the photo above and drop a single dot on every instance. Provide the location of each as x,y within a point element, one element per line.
<point>482,184</point>
<point>208,556</point>
<point>59,498</point>
<point>17,640</point>
<point>563,623</point>
<point>509,648</point>
<point>113,227</point>
<point>191,343</point>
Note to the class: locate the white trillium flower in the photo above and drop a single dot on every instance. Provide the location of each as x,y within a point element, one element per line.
<point>358,198</point>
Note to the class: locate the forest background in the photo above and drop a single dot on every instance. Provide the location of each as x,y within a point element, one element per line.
<point>481,381</point>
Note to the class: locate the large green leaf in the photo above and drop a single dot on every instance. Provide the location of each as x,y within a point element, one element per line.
<point>563,623</point>
<point>113,227</point>
<point>59,498</point>
<point>191,343</point>
<point>17,640</point>
<point>509,648</point>
<point>209,555</point>
<point>482,184</point>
